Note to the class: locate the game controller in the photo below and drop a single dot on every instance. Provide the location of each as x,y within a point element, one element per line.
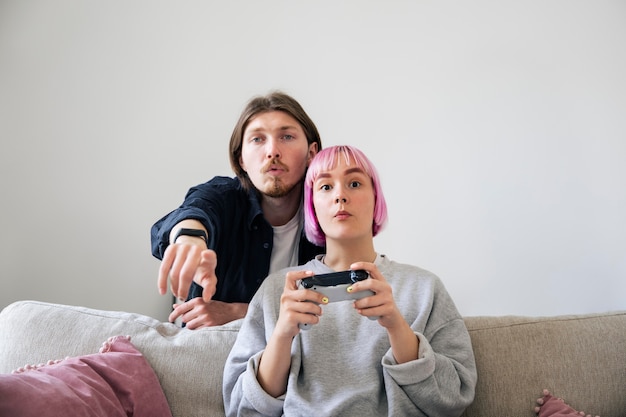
<point>334,286</point>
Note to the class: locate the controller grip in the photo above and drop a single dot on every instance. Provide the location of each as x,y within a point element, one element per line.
<point>336,294</point>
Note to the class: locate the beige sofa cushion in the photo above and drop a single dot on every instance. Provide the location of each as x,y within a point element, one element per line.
<point>580,358</point>
<point>181,358</point>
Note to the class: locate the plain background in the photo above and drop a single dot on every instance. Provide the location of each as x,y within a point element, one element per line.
<point>498,127</point>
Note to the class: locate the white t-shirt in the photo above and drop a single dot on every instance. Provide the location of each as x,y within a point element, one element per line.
<point>286,243</point>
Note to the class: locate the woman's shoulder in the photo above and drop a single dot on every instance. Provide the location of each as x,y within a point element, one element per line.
<point>404,269</point>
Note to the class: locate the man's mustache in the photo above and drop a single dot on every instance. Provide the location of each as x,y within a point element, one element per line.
<point>275,163</point>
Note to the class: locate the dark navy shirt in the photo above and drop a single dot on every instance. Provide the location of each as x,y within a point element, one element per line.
<point>238,233</point>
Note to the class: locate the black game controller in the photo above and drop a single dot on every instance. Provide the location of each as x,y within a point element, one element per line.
<point>334,285</point>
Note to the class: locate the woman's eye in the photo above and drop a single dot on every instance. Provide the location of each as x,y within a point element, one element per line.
<point>355,184</point>
<point>325,187</point>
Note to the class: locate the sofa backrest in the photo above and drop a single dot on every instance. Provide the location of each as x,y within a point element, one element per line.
<point>579,358</point>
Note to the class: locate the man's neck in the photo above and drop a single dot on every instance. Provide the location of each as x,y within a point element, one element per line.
<point>279,210</point>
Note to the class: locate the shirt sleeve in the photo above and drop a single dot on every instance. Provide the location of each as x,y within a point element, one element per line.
<point>201,203</point>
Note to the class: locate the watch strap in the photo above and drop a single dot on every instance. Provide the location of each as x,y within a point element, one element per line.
<point>192,232</point>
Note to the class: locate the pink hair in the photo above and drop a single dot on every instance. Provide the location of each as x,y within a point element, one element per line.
<point>326,160</point>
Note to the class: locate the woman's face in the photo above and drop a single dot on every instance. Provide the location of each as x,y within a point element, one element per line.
<point>343,198</point>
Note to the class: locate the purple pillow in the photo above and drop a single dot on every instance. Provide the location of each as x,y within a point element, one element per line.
<point>551,406</point>
<point>117,381</point>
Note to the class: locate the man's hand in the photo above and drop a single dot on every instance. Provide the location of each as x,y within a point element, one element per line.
<point>184,263</point>
<point>197,313</point>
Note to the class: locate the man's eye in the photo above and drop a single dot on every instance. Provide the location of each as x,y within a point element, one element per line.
<point>256,139</point>
<point>288,137</point>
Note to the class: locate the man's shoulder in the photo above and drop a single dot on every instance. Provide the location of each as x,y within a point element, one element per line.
<point>220,186</point>
<point>223,182</point>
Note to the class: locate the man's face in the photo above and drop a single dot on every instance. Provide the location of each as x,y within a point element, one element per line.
<point>275,153</point>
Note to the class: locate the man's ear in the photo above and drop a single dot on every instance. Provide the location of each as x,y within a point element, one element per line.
<point>312,152</point>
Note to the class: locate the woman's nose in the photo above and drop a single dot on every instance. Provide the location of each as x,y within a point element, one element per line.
<point>341,199</point>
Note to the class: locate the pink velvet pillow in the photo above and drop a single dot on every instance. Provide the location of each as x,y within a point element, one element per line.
<point>550,406</point>
<point>118,381</point>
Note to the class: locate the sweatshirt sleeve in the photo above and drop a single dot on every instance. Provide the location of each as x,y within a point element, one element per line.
<point>442,381</point>
<point>243,395</point>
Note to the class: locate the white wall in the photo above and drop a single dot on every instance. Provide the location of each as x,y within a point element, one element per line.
<point>499,128</point>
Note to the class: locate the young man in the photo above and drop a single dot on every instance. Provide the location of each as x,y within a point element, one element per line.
<point>251,224</point>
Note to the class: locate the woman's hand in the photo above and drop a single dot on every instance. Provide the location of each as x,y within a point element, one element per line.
<point>404,342</point>
<point>298,305</point>
<point>382,303</point>
<point>294,309</point>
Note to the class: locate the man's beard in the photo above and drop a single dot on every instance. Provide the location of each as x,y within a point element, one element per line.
<point>279,189</point>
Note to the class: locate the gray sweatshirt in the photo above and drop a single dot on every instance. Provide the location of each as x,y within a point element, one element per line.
<point>343,366</point>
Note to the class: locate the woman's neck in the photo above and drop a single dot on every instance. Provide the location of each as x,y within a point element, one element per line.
<point>339,256</point>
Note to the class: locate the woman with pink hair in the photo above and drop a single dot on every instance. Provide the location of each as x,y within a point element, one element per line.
<point>413,357</point>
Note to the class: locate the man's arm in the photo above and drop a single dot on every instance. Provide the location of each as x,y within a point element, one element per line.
<point>182,260</point>
<point>192,240</point>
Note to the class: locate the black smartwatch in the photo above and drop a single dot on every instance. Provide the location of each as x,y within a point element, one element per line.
<point>192,232</point>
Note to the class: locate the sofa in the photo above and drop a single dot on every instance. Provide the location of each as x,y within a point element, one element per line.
<point>578,358</point>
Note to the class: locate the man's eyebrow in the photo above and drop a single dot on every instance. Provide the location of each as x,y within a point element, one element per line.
<point>262,129</point>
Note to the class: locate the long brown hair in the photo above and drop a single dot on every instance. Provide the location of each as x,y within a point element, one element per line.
<point>274,101</point>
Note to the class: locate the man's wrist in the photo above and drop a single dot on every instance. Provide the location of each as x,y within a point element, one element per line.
<point>195,233</point>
